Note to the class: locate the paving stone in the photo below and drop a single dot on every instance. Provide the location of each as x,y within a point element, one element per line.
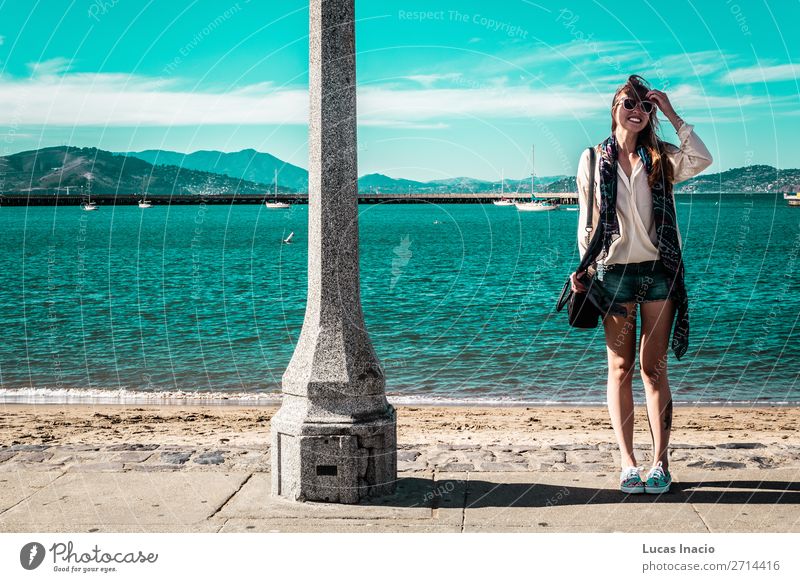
<point>517,450</point>
<point>741,446</point>
<point>153,468</point>
<point>443,458</point>
<point>679,456</point>
<point>571,447</point>
<point>133,456</point>
<point>456,467</point>
<point>717,465</point>
<point>763,462</point>
<point>211,458</point>
<point>79,447</point>
<point>491,466</point>
<point>6,455</point>
<point>539,466</point>
<point>407,456</point>
<point>415,468</point>
<point>582,467</point>
<point>589,457</point>
<point>13,467</point>
<point>175,457</point>
<point>96,467</point>
<point>132,447</point>
<point>34,456</point>
<point>545,457</point>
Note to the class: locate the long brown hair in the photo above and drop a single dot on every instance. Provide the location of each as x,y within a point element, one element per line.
<point>649,136</point>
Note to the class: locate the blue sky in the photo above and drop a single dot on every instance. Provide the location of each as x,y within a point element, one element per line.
<point>445,88</point>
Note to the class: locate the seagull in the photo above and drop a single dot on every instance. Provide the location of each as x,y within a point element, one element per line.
<point>288,239</point>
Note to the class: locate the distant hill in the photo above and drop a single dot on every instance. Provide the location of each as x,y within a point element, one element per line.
<point>55,169</point>
<point>248,165</point>
<point>748,179</point>
<point>260,167</point>
<point>386,185</point>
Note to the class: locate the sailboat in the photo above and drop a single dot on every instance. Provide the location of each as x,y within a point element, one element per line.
<point>535,204</point>
<point>503,200</point>
<point>88,204</point>
<point>276,203</point>
<point>144,202</point>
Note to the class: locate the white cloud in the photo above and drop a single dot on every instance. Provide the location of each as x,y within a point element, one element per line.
<point>759,74</point>
<point>486,103</point>
<point>433,79</point>
<point>49,68</point>
<point>112,99</point>
<point>694,98</point>
<point>697,64</point>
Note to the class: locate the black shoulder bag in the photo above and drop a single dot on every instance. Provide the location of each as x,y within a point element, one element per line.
<point>582,308</point>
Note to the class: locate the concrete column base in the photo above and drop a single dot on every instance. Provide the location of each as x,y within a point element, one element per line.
<point>335,462</point>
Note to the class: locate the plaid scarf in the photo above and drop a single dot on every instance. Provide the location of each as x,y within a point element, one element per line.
<point>669,249</point>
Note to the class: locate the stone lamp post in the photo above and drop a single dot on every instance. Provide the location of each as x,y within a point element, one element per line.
<point>335,436</point>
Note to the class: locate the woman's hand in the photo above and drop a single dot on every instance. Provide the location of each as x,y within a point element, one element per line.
<point>662,102</point>
<point>576,285</point>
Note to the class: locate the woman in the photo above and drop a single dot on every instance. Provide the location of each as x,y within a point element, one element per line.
<point>635,259</point>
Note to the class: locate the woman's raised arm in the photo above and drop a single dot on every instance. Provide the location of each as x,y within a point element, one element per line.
<point>691,157</point>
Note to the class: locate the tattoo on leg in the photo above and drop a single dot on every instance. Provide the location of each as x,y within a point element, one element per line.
<point>650,427</point>
<point>668,415</point>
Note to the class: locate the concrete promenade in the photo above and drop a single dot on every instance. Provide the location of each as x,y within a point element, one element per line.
<point>540,487</point>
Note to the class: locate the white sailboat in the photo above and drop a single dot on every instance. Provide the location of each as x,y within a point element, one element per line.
<point>503,200</point>
<point>144,202</point>
<point>88,204</point>
<point>276,203</point>
<point>535,205</point>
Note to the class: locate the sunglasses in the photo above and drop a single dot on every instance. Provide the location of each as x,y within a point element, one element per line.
<point>630,105</point>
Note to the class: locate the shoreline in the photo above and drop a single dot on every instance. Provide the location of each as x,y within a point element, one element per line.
<point>246,400</point>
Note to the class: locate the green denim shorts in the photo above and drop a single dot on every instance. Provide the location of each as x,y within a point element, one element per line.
<point>635,282</point>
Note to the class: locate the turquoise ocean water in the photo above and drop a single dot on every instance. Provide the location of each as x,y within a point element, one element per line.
<point>458,300</point>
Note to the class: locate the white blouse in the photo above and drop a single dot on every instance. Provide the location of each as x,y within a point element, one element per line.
<point>638,241</point>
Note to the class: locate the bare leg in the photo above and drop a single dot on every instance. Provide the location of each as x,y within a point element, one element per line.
<point>621,347</point>
<point>656,325</point>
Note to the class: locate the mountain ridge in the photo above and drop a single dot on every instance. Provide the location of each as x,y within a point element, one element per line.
<point>55,168</point>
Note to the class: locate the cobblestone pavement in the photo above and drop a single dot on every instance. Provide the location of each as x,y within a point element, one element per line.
<point>451,458</point>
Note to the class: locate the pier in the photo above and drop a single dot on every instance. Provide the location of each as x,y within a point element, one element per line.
<point>39,199</point>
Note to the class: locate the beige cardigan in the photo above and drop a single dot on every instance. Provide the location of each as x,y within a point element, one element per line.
<point>637,241</point>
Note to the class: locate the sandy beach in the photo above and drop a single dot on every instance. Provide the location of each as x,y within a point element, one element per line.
<point>245,426</point>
